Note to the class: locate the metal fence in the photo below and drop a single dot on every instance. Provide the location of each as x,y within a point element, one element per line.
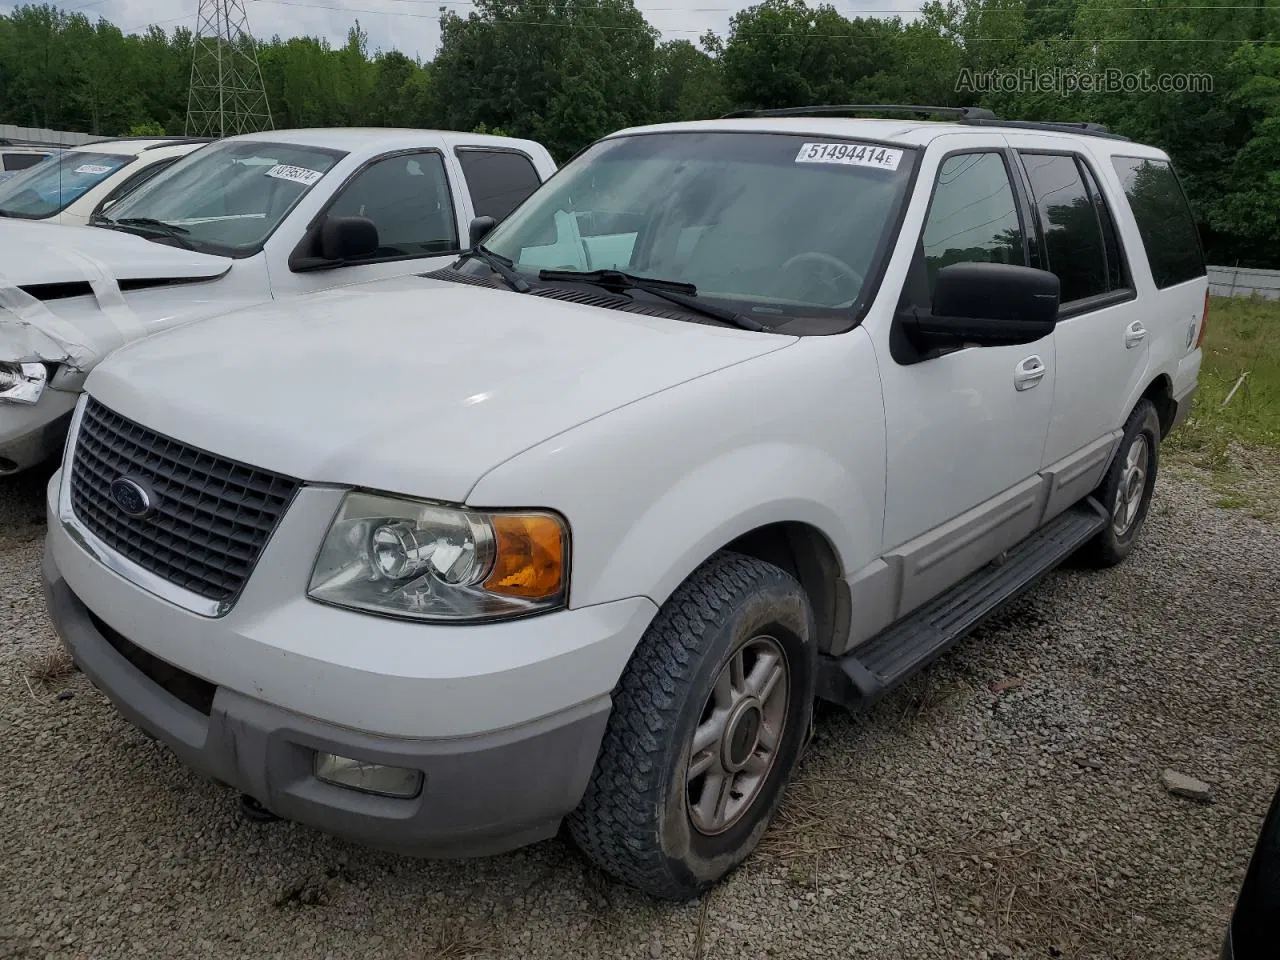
<point>1244,282</point>
<point>43,138</point>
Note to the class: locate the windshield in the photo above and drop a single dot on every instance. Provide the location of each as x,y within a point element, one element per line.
<point>772,224</point>
<point>55,183</point>
<point>227,198</point>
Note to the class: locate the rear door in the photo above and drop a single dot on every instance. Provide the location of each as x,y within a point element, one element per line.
<point>1168,262</point>
<point>498,179</point>
<point>1101,340</point>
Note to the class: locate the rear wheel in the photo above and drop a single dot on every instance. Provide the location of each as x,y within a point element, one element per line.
<point>1127,488</point>
<point>709,721</point>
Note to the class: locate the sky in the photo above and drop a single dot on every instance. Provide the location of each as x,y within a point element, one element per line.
<point>412,26</point>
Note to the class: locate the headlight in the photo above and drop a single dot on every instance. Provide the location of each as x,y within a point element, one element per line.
<point>429,562</point>
<point>22,382</point>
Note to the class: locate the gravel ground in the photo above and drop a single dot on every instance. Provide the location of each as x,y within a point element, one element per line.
<point>1009,803</point>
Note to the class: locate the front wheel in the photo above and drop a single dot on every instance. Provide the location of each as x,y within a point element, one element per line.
<point>1127,488</point>
<point>708,724</point>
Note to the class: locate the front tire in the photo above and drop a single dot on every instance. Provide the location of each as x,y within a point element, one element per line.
<point>1127,488</point>
<point>709,721</point>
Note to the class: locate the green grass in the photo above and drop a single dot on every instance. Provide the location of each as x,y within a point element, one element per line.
<point>1239,444</point>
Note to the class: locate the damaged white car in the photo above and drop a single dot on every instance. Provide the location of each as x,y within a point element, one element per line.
<point>246,220</point>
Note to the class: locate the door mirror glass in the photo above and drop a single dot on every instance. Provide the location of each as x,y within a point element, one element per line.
<point>481,227</point>
<point>348,238</point>
<point>987,304</point>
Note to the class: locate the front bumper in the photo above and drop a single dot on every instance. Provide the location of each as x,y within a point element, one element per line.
<point>31,433</point>
<point>481,795</point>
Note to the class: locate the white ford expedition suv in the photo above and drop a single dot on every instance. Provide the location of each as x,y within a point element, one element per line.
<point>726,417</point>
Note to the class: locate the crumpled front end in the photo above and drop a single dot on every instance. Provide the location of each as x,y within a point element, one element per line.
<point>62,310</point>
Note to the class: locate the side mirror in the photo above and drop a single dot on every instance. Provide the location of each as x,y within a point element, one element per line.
<point>348,238</point>
<point>481,227</point>
<point>988,304</point>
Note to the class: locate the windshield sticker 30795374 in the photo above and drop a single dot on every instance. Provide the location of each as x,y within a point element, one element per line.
<point>284,171</point>
<point>850,155</point>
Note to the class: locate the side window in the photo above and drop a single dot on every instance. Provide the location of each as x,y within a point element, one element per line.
<point>1117,276</point>
<point>21,161</point>
<point>407,197</point>
<point>1069,221</point>
<point>973,216</point>
<point>1165,223</point>
<point>499,180</point>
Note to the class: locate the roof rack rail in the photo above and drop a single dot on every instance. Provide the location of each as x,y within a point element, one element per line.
<point>1055,126</point>
<point>177,142</point>
<point>978,116</point>
<point>836,110</point>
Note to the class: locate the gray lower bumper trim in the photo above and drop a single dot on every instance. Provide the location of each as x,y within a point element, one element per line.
<point>482,795</point>
<point>1182,408</point>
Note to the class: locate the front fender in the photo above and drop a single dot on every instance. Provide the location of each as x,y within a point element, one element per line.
<point>653,489</point>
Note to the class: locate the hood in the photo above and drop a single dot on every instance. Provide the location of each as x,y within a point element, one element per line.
<point>61,288</point>
<point>411,386</point>
<point>36,254</point>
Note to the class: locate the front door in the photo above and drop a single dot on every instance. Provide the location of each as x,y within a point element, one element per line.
<point>966,430</point>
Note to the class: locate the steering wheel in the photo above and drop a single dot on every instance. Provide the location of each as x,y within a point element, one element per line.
<point>833,270</point>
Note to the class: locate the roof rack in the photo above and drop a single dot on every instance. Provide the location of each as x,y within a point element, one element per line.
<point>165,140</point>
<point>977,116</point>
<point>836,110</point>
<point>1055,126</point>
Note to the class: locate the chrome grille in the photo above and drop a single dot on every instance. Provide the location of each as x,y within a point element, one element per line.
<point>210,517</point>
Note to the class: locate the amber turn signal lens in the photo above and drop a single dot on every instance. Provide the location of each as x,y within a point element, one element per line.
<point>530,557</point>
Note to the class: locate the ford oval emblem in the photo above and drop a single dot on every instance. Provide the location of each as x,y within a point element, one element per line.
<point>133,499</point>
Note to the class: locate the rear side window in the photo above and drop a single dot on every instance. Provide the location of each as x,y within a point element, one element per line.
<point>499,180</point>
<point>1165,223</point>
<point>20,161</point>
<point>1069,222</point>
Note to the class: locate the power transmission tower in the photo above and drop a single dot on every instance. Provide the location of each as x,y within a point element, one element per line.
<point>227,94</point>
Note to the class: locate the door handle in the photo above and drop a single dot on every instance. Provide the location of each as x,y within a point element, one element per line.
<point>1029,373</point>
<point>1134,334</point>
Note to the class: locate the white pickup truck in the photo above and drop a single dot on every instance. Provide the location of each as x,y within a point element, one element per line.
<point>245,220</point>
<point>727,416</point>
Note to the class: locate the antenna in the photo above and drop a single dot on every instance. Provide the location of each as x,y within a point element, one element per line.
<point>227,94</point>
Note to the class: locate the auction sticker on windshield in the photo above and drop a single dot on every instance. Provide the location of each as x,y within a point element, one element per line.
<point>850,155</point>
<point>283,171</point>
<point>93,169</point>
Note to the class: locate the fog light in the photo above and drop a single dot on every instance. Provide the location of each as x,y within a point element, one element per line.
<point>376,778</point>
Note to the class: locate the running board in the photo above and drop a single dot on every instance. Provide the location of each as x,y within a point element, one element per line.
<point>874,668</point>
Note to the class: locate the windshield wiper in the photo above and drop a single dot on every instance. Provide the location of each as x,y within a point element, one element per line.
<point>145,225</point>
<point>681,294</point>
<point>499,265</point>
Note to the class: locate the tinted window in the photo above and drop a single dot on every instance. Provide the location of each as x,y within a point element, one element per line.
<point>1165,223</point>
<point>1072,237</point>
<point>972,216</point>
<point>499,181</point>
<point>1117,276</point>
<point>20,161</point>
<point>407,197</point>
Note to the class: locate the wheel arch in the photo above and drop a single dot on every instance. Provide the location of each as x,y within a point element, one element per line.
<point>1160,392</point>
<point>805,552</point>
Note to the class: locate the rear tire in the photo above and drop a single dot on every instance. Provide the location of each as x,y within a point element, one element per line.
<point>709,721</point>
<point>1126,489</point>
